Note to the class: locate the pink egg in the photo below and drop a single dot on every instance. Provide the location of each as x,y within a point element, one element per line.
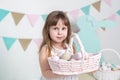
<point>77,56</point>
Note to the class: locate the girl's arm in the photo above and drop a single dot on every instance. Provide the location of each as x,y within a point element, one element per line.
<point>45,68</point>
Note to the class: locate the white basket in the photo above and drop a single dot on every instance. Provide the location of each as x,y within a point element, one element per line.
<point>84,65</point>
<point>108,75</point>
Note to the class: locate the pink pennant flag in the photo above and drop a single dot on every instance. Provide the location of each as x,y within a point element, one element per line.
<point>108,2</point>
<point>112,17</point>
<point>38,42</point>
<point>74,13</point>
<point>33,18</point>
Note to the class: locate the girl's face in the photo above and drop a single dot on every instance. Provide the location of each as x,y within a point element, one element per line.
<point>58,33</point>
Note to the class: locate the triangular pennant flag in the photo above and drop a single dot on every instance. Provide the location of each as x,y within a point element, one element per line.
<point>38,42</point>
<point>17,17</point>
<point>3,13</point>
<point>86,9</point>
<point>118,12</point>
<point>74,13</point>
<point>108,2</point>
<point>103,28</point>
<point>24,43</point>
<point>112,17</point>
<point>8,42</point>
<point>97,5</point>
<point>44,16</point>
<point>33,18</point>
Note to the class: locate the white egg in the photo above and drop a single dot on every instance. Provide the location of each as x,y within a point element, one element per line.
<point>55,58</point>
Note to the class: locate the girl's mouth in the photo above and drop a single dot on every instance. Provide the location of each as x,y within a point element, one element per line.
<point>59,37</point>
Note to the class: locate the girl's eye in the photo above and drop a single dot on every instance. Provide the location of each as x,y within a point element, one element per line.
<point>64,28</point>
<point>55,28</point>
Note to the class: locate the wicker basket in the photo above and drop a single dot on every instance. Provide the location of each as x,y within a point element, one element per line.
<point>87,63</point>
<point>109,74</point>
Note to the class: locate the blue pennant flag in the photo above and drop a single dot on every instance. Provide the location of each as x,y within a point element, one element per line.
<point>9,42</point>
<point>86,9</point>
<point>3,13</point>
<point>118,12</point>
<point>44,17</point>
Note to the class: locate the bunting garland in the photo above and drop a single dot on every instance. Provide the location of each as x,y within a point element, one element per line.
<point>17,17</point>
<point>9,42</point>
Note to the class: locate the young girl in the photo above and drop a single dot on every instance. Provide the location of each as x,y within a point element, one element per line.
<point>56,34</point>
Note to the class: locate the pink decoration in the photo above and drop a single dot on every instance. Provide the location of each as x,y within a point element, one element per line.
<point>112,17</point>
<point>75,13</point>
<point>108,2</point>
<point>38,42</point>
<point>33,18</point>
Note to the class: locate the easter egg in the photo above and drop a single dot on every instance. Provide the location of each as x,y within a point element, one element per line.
<point>77,56</point>
<point>55,58</point>
<point>66,56</point>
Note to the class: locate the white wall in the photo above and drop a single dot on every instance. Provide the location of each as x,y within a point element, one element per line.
<point>19,64</point>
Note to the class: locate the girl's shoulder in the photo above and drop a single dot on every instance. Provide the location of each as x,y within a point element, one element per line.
<point>44,46</point>
<point>44,50</point>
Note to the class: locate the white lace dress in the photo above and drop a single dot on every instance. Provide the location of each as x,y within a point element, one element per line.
<point>59,52</point>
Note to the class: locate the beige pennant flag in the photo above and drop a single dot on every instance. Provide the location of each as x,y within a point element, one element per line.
<point>103,28</point>
<point>17,17</point>
<point>24,43</point>
<point>97,5</point>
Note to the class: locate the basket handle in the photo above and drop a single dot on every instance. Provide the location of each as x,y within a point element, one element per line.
<point>108,49</point>
<point>83,52</point>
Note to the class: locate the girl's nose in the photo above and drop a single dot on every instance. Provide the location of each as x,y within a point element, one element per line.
<point>59,31</point>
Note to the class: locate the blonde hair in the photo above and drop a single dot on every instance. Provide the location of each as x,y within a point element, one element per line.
<point>51,20</point>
